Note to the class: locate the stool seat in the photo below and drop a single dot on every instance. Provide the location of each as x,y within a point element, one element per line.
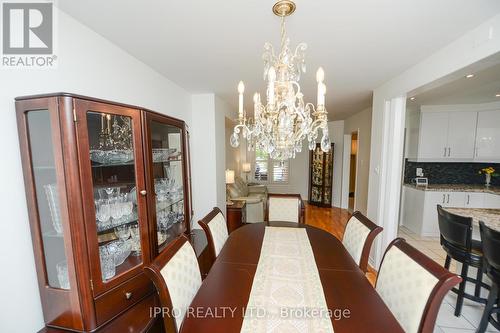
<point>456,239</point>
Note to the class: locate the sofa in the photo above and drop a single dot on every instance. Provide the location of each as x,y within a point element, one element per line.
<point>255,197</point>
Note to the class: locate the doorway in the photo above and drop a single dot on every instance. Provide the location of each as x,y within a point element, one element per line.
<point>352,171</point>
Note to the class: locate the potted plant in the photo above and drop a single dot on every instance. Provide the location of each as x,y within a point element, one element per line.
<point>488,172</point>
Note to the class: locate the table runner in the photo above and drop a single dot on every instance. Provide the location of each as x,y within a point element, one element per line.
<point>287,295</point>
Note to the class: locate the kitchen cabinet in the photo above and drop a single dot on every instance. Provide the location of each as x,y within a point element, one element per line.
<point>433,137</point>
<point>447,136</point>
<point>488,136</point>
<point>461,135</point>
<point>492,200</point>
<point>107,187</point>
<point>419,212</point>
<point>474,200</point>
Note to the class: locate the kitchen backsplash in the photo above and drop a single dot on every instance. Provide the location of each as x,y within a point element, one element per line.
<point>450,173</point>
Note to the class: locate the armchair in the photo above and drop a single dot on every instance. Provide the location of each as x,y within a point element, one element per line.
<point>255,197</point>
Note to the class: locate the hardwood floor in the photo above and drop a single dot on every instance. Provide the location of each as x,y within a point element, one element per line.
<point>332,220</point>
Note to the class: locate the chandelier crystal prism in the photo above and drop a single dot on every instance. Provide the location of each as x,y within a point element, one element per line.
<point>281,125</point>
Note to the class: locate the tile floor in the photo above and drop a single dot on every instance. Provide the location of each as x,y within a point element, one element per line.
<point>446,321</point>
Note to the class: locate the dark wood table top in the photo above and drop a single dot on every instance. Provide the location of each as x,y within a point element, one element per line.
<point>229,283</point>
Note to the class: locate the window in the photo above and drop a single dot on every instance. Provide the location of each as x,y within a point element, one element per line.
<point>280,172</point>
<point>270,170</point>
<point>261,165</point>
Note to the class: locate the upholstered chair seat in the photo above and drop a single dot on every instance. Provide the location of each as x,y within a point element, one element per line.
<point>215,227</point>
<point>358,238</point>
<point>413,286</point>
<point>285,208</point>
<point>176,275</point>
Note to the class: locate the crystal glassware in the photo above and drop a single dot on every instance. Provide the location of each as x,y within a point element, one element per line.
<point>103,212</point>
<point>108,269</point>
<point>135,232</point>
<point>62,274</point>
<point>122,232</point>
<point>53,201</point>
<point>120,250</point>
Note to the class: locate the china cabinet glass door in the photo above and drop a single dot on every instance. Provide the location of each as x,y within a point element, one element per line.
<point>48,195</point>
<point>167,179</point>
<point>321,176</point>
<point>115,190</point>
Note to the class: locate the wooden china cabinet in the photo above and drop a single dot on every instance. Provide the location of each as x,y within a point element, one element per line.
<point>320,177</point>
<point>108,188</point>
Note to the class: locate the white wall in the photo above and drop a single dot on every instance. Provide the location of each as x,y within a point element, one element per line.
<point>221,111</point>
<point>233,155</point>
<point>475,45</point>
<point>412,126</point>
<point>336,131</point>
<point>361,121</point>
<point>204,156</point>
<point>89,65</point>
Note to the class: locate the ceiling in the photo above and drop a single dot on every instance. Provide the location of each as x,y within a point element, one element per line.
<point>208,46</point>
<point>482,88</point>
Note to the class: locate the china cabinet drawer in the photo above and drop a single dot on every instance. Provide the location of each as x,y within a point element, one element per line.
<point>120,298</point>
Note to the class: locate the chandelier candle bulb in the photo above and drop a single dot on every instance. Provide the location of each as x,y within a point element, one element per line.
<point>320,75</point>
<point>321,93</point>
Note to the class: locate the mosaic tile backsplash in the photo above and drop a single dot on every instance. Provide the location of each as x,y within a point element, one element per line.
<point>451,173</point>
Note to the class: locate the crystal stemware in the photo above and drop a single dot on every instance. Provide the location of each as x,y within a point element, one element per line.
<point>135,232</point>
<point>62,274</point>
<point>122,232</point>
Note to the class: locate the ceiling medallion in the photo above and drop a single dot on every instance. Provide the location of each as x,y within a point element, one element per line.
<point>279,126</point>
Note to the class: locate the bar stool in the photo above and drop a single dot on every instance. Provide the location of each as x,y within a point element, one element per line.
<point>456,240</point>
<point>491,250</point>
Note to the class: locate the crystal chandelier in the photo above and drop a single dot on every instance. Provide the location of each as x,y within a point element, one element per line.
<point>279,126</point>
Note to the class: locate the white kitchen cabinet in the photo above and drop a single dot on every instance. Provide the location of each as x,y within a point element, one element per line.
<point>419,207</point>
<point>488,136</point>
<point>419,211</point>
<point>492,200</point>
<point>433,137</point>
<point>474,200</point>
<point>461,135</point>
<point>447,135</point>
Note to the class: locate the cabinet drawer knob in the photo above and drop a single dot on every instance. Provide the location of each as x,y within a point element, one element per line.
<point>128,295</point>
<point>143,193</point>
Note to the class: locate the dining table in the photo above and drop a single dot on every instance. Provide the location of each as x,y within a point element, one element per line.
<point>353,302</point>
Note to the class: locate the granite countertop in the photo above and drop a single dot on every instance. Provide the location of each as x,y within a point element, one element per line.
<point>491,217</point>
<point>457,188</point>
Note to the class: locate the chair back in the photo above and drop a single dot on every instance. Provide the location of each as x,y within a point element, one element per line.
<point>285,207</point>
<point>413,286</point>
<point>215,227</point>
<point>491,246</point>
<point>177,278</point>
<point>358,238</point>
<point>455,230</point>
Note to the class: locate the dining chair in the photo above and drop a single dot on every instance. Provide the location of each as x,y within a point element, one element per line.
<point>177,278</point>
<point>215,227</point>
<point>413,286</point>
<point>491,251</point>
<point>285,207</point>
<point>456,239</point>
<point>358,238</point>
